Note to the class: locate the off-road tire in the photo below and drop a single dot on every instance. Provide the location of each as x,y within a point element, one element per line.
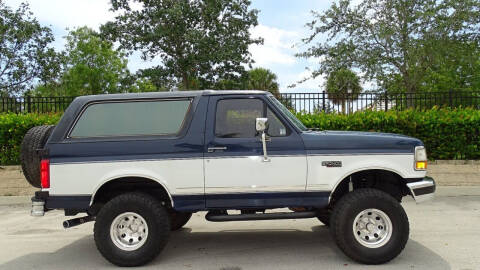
<point>179,219</point>
<point>156,217</point>
<point>34,139</point>
<point>343,216</point>
<point>324,218</point>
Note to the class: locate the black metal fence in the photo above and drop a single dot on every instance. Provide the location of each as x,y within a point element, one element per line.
<point>30,104</point>
<point>378,101</point>
<point>299,102</point>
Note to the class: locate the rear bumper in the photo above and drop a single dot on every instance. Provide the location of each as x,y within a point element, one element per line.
<point>38,204</point>
<point>423,190</point>
<point>43,202</point>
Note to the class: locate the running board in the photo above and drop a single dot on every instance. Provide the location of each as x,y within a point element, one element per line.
<point>268,216</point>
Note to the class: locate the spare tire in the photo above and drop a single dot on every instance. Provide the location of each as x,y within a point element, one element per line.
<point>34,139</point>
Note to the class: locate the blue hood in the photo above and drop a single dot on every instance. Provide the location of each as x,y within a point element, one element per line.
<point>355,142</point>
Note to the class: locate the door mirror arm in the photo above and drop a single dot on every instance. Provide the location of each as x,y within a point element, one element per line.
<point>261,125</point>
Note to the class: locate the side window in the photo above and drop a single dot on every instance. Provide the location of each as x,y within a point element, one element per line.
<point>133,118</point>
<point>235,118</point>
<point>275,127</point>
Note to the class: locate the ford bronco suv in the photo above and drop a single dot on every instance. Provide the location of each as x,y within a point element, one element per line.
<point>139,165</point>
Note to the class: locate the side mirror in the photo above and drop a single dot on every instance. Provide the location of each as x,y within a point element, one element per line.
<point>261,124</point>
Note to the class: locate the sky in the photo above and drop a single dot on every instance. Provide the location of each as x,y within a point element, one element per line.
<point>281,24</point>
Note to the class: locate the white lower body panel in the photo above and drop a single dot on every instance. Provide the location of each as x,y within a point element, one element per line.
<point>177,176</point>
<point>323,178</point>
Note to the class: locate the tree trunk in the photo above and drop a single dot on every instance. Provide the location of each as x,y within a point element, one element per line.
<point>185,81</point>
<point>410,90</point>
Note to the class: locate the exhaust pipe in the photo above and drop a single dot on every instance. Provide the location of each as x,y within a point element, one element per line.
<point>77,221</point>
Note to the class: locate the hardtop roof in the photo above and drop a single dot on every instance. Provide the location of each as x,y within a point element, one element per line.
<point>174,94</point>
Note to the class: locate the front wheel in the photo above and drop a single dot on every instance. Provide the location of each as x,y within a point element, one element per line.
<point>179,219</point>
<point>131,229</point>
<point>369,226</point>
<point>324,217</point>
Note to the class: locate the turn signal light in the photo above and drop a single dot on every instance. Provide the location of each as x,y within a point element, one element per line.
<point>45,173</point>
<point>421,165</point>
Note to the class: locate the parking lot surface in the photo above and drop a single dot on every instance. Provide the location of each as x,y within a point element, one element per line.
<point>445,234</point>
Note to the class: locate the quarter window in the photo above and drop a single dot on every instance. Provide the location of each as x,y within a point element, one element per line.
<point>134,118</point>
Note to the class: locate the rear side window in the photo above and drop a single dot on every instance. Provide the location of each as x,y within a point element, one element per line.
<point>134,118</point>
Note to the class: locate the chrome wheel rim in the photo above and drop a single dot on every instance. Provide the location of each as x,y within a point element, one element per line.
<point>129,231</point>
<point>372,228</point>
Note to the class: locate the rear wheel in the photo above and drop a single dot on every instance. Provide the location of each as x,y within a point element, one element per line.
<point>131,229</point>
<point>34,139</point>
<point>369,226</point>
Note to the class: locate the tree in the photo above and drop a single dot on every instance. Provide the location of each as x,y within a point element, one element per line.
<point>90,66</point>
<point>263,79</point>
<point>392,42</point>
<point>231,84</point>
<point>142,85</point>
<point>93,65</point>
<point>198,41</point>
<point>24,50</point>
<point>254,79</point>
<point>343,85</point>
<point>455,65</point>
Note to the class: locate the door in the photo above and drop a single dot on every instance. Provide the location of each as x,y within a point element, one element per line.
<point>236,174</point>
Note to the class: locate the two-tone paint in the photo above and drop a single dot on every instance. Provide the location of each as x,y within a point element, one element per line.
<point>200,171</point>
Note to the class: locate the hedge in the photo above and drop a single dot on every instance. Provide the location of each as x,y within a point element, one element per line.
<point>12,129</point>
<point>447,134</point>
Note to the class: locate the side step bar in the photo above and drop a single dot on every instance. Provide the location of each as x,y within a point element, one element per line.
<point>269,216</point>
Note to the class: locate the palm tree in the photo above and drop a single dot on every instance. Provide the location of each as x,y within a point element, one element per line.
<point>343,85</point>
<point>263,79</point>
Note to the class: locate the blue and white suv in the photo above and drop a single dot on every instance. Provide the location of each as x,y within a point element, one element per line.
<point>139,165</point>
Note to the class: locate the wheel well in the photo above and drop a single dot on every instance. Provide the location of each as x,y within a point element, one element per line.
<point>384,180</point>
<point>118,186</point>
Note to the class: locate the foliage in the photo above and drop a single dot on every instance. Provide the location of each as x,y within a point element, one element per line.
<point>198,41</point>
<point>231,84</point>
<point>142,85</point>
<point>263,79</point>
<point>454,66</point>
<point>255,79</point>
<point>401,45</point>
<point>156,78</point>
<point>24,52</point>
<point>12,129</point>
<point>447,134</point>
<point>90,66</point>
<point>343,85</point>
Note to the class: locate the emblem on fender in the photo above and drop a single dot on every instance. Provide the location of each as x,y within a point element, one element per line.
<point>329,164</point>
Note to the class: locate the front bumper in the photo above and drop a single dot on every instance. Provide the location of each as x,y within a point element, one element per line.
<point>423,190</point>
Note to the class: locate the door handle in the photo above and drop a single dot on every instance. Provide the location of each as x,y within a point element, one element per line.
<point>213,149</point>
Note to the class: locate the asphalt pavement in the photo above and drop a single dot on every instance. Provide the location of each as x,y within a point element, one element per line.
<point>445,234</point>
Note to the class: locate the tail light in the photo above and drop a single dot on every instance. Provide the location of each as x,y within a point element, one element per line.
<point>45,173</point>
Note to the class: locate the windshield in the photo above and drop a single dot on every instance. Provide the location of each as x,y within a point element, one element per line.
<point>289,114</point>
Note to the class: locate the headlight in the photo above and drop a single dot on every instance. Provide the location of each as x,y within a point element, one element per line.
<point>420,158</point>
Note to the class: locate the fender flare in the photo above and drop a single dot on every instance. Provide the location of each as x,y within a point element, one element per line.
<point>114,178</point>
<point>360,170</point>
